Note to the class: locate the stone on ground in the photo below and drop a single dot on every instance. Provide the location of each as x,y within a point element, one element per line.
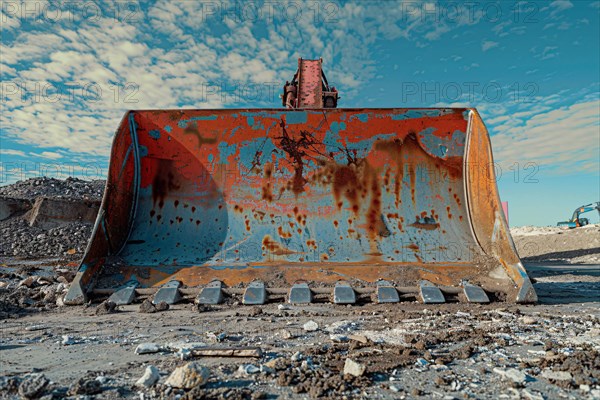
<point>351,367</point>
<point>189,376</point>
<point>150,377</point>
<point>32,386</point>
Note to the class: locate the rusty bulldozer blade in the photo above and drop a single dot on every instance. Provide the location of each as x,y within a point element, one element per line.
<point>281,196</point>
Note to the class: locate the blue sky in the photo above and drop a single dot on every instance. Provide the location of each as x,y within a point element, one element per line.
<point>531,68</point>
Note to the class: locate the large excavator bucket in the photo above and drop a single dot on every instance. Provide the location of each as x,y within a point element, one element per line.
<point>397,198</point>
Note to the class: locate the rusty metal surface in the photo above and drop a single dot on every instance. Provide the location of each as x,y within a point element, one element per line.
<point>310,91</point>
<point>485,209</point>
<point>116,212</point>
<point>240,195</point>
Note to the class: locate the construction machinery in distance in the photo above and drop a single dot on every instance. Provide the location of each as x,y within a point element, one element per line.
<point>576,221</point>
<point>305,204</point>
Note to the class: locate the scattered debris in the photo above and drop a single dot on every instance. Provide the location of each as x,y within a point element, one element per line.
<point>227,352</point>
<point>343,326</point>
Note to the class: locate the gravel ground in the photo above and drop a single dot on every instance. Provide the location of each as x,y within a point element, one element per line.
<point>401,351</point>
<point>407,350</point>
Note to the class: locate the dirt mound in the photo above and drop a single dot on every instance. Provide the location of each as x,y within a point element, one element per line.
<point>559,245</point>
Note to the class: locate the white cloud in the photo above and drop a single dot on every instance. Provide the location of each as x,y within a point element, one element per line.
<point>30,46</point>
<point>558,6</point>
<point>560,140</point>
<point>11,152</point>
<point>8,21</point>
<point>48,155</point>
<point>488,44</point>
<point>470,67</point>
<point>548,53</point>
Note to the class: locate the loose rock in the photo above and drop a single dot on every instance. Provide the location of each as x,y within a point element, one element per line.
<point>248,369</point>
<point>529,395</point>
<point>285,334</point>
<point>147,348</point>
<point>106,307</point>
<point>67,340</point>
<point>33,385</point>
<point>85,387</point>
<point>147,307</point>
<point>556,375</point>
<point>190,375</point>
<point>512,374</point>
<point>351,367</point>
<point>338,338</point>
<point>150,377</point>
<point>311,326</point>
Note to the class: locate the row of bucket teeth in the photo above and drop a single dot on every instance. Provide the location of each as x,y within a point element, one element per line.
<point>256,293</point>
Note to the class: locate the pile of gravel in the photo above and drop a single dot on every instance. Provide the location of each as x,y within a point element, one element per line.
<point>21,240</point>
<point>67,241</point>
<point>70,188</point>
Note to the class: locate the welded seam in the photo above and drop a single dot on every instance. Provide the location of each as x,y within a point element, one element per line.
<point>124,164</point>
<point>136,177</point>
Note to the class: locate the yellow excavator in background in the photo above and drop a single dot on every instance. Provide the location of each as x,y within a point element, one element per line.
<point>576,221</point>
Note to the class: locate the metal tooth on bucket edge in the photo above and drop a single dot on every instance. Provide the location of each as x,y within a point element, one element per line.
<point>125,294</point>
<point>300,293</point>
<point>474,293</point>
<point>169,293</point>
<point>211,294</point>
<point>255,294</point>
<point>430,294</point>
<point>343,293</point>
<point>386,292</point>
